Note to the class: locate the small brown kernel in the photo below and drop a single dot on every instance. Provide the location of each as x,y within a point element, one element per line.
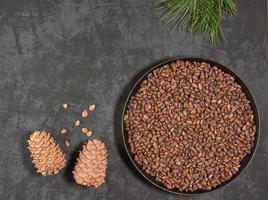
<point>92,107</point>
<point>67,144</point>
<point>65,105</point>
<point>86,132</point>
<point>63,131</point>
<point>77,123</point>
<point>84,114</point>
<point>89,133</point>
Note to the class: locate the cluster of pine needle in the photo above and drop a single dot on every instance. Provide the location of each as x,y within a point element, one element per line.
<point>202,17</point>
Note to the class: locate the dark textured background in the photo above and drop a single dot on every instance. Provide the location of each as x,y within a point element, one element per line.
<point>85,52</point>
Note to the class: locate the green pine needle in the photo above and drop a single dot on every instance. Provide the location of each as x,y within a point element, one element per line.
<point>199,16</point>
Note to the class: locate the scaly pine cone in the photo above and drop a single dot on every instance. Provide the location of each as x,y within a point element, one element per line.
<point>90,169</point>
<point>46,155</point>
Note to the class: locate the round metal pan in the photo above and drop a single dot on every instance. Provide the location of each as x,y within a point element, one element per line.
<point>245,162</point>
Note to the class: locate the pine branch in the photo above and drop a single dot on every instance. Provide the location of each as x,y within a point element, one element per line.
<point>199,16</point>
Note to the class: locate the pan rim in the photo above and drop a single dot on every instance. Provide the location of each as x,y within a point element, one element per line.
<point>244,88</point>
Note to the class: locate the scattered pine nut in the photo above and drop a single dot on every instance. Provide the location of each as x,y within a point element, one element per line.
<point>65,105</point>
<point>67,144</point>
<point>77,123</point>
<point>92,107</point>
<point>63,131</point>
<point>84,114</point>
<point>84,130</point>
<point>89,133</point>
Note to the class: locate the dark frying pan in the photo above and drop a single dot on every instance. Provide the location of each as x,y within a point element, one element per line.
<point>245,162</point>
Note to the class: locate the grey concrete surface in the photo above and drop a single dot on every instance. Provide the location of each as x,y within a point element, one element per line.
<point>81,52</point>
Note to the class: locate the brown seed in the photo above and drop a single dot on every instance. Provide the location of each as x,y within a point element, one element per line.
<point>63,131</point>
<point>65,105</point>
<point>86,131</point>
<point>92,107</point>
<point>77,123</point>
<point>84,114</point>
<point>67,144</point>
<point>89,133</point>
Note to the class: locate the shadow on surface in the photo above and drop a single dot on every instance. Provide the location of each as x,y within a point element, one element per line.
<point>68,176</point>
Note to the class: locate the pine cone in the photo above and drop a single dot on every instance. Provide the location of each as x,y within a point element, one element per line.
<point>46,155</point>
<point>90,169</point>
